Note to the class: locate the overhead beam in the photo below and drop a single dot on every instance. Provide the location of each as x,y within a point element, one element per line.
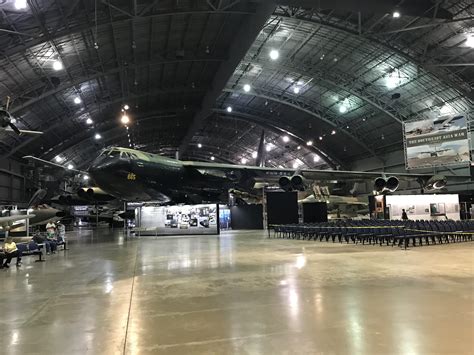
<point>419,8</point>
<point>116,70</point>
<point>244,37</point>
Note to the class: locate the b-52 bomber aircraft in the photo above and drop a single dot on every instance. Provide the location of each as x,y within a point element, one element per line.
<point>133,175</point>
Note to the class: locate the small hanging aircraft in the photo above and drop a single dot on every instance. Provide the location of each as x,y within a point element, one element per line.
<point>8,122</point>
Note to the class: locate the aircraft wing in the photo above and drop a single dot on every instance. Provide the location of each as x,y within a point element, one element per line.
<point>23,131</point>
<point>273,174</point>
<point>49,163</point>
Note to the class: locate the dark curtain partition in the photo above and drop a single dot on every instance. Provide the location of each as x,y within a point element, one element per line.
<point>246,217</point>
<point>282,207</point>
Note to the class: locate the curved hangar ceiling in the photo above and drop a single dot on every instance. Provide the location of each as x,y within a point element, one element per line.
<point>205,77</point>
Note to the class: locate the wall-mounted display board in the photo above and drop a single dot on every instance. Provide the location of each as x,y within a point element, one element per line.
<point>425,207</point>
<point>177,220</point>
<point>436,142</point>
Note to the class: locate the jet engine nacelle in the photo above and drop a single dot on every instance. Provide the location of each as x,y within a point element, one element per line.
<point>94,194</point>
<point>389,184</point>
<point>436,182</point>
<point>298,183</point>
<point>379,184</point>
<point>285,183</point>
<point>392,183</point>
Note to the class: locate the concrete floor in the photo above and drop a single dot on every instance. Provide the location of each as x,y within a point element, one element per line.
<point>238,293</point>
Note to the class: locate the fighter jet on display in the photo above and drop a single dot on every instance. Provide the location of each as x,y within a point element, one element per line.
<point>133,175</point>
<point>7,222</point>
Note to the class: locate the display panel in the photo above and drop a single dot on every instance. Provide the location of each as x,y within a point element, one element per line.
<point>436,142</point>
<point>424,206</point>
<point>179,220</point>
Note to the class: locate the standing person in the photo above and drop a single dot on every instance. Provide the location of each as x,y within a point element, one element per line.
<point>404,215</point>
<point>11,251</point>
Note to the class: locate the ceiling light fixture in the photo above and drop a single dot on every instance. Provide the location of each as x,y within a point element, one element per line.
<point>309,143</point>
<point>333,132</point>
<point>247,87</point>
<point>229,109</point>
<point>77,100</point>
<point>286,139</point>
<point>343,108</point>
<point>298,147</point>
<point>126,107</point>
<point>89,121</point>
<point>125,119</point>
<point>86,177</point>
<point>212,158</point>
<point>470,40</point>
<point>57,65</point>
<point>58,159</point>
<point>199,145</point>
<point>320,138</point>
<point>274,54</point>
<point>70,166</point>
<point>268,148</point>
<point>296,90</point>
<point>396,14</point>
<point>243,161</point>
<point>20,4</point>
<point>316,158</point>
<point>97,136</point>
<point>254,155</point>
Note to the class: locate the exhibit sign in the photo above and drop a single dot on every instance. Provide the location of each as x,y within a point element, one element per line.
<point>177,220</point>
<point>424,207</point>
<point>436,142</point>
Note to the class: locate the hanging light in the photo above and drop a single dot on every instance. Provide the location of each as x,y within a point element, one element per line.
<point>296,90</point>
<point>89,121</point>
<point>58,159</point>
<point>247,87</point>
<point>396,14</point>
<point>77,100</point>
<point>199,145</point>
<point>286,139</point>
<point>126,107</point>
<point>212,158</point>
<point>274,54</point>
<point>243,161</point>
<point>254,155</point>
<point>333,132</point>
<point>97,136</point>
<point>86,177</point>
<point>70,166</point>
<point>309,143</point>
<point>57,65</point>
<point>229,109</point>
<point>316,158</point>
<point>470,40</point>
<point>125,119</point>
<point>20,4</point>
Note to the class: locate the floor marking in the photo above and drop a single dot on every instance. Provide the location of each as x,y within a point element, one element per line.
<point>221,340</point>
<point>130,304</point>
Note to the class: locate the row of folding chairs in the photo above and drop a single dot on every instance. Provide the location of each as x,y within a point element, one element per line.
<point>390,233</point>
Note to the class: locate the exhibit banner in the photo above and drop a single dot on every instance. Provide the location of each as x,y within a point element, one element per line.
<point>436,142</point>
<point>179,220</point>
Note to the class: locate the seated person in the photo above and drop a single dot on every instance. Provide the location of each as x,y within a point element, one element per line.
<point>11,251</point>
<point>49,245</point>
<point>2,256</point>
<point>50,230</point>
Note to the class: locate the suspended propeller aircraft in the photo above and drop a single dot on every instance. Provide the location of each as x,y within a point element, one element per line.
<point>8,122</point>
